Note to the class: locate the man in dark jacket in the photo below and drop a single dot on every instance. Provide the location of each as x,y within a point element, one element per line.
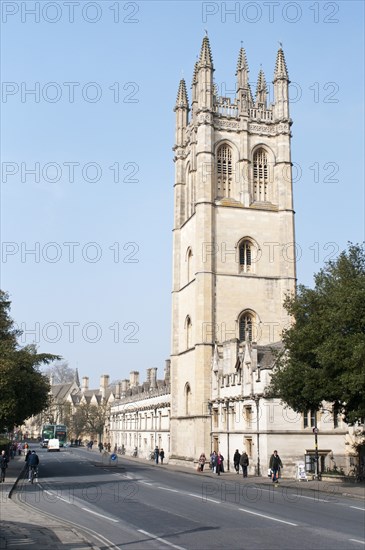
<point>236,461</point>
<point>275,465</point>
<point>33,462</point>
<point>244,462</point>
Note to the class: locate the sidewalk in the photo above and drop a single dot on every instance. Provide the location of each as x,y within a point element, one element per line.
<point>24,528</point>
<point>21,527</point>
<point>334,488</point>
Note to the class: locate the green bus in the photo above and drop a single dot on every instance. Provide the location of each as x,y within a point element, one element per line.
<point>54,431</point>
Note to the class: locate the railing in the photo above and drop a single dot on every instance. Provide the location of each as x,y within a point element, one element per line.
<point>261,114</point>
<point>224,107</point>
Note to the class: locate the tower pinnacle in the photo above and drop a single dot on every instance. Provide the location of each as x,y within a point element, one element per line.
<point>261,89</point>
<point>182,95</point>
<point>205,53</point>
<point>281,70</point>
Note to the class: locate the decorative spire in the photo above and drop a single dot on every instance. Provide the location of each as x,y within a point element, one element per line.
<point>242,61</point>
<point>205,53</point>
<point>281,71</point>
<point>195,73</point>
<point>182,95</point>
<point>261,88</point>
<point>76,377</point>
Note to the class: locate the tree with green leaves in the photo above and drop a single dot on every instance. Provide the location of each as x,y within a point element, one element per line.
<point>324,357</point>
<point>24,390</point>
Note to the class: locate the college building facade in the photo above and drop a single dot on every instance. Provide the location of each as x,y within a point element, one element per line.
<point>233,265</point>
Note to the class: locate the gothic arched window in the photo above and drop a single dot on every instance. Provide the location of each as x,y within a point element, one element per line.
<point>245,256</point>
<point>188,328</point>
<point>260,176</point>
<point>245,324</point>
<point>224,171</point>
<point>189,261</point>
<point>190,195</point>
<point>187,398</point>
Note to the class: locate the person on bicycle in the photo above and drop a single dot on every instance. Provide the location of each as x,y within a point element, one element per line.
<point>33,461</point>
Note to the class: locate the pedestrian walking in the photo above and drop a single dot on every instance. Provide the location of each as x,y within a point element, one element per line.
<point>275,465</point>
<point>236,461</point>
<point>3,465</point>
<point>201,462</point>
<point>213,462</point>
<point>220,467</point>
<point>244,462</point>
<point>162,455</point>
<point>100,445</point>
<point>157,453</point>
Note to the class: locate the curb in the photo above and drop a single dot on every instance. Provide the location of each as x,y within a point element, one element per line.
<point>20,475</point>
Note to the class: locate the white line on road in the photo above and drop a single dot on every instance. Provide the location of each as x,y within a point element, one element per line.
<point>300,496</point>
<point>268,517</point>
<point>359,541</point>
<point>357,508</point>
<point>167,489</point>
<point>101,515</point>
<point>161,540</point>
<point>204,499</point>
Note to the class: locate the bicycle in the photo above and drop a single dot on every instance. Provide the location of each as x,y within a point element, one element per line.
<point>33,473</point>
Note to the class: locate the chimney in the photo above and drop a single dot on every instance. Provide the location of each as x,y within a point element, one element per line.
<point>104,383</point>
<point>153,379</point>
<point>85,383</point>
<point>118,387</point>
<point>125,386</point>
<point>134,378</point>
<point>167,370</point>
<point>148,379</point>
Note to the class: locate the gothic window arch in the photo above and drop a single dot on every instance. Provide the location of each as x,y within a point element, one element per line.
<point>189,264</point>
<point>245,251</point>
<point>188,332</point>
<point>190,193</point>
<point>260,176</point>
<point>187,392</point>
<point>224,170</point>
<point>245,326</point>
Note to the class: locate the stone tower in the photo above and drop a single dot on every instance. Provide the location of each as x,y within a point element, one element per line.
<point>233,237</point>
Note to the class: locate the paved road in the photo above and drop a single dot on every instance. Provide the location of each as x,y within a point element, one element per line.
<point>143,506</point>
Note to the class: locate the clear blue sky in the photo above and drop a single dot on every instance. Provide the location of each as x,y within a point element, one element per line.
<point>105,76</point>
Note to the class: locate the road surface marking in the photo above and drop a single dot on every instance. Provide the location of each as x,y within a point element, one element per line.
<point>359,541</point>
<point>357,508</point>
<point>302,496</point>
<point>167,489</point>
<point>161,540</point>
<point>100,515</point>
<point>204,498</point>
<point>267,517</point>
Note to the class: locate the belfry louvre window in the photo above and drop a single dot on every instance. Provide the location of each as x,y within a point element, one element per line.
<point>260,176</point>
<point>245,327</point>
<point>224,171</point>
<point>245,256</point>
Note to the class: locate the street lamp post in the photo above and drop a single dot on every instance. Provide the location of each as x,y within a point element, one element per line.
<point>257,401</point>
<point>316,456</point>
<point>227,413</point>
<point>210,406</point>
